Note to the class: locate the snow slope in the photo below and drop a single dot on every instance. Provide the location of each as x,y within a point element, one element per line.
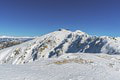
<point>58,43</point>
<point>62,55</point>
<point>70,66</point>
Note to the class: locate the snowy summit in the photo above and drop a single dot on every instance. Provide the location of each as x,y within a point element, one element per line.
<point>58,43</point>
<point>74,55</point>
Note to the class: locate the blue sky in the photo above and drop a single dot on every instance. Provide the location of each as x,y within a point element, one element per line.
<point>37,17</point>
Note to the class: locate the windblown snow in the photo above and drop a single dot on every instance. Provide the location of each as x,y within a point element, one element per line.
<point>63,55</point>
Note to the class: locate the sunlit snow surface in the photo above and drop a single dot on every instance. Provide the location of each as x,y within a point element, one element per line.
<point>62,55</point>
<point>57,43</point>
<point>82,66</point>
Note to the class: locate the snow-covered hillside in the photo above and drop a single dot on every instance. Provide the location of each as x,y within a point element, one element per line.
<point>70,66</point>
<point>56,44</point>
<point>62,55</point>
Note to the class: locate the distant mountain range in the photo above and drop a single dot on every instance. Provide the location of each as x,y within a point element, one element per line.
<point>56,44</point>
<point>7,41</point>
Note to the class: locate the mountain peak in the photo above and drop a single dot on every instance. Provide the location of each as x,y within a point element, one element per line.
<point>76,32</point>
<point>61,29</point>
<point>80,32</point>
<point>57,43</point>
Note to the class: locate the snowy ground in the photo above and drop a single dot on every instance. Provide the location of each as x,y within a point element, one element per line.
<point>82,66</point>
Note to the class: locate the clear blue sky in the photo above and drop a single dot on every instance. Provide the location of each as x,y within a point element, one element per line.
<point>37,17</point>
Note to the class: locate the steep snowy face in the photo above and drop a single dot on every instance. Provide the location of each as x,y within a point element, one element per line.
<point>35,49</point>
<point>112,45</point>
<point>58,43</point>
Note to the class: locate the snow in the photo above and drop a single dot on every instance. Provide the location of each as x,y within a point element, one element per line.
<point>103,67</point>
<point>57,43</point>
<point>15,37</point>
<point>8,41</point>
<point>11,38</point>
<point>62,55</point>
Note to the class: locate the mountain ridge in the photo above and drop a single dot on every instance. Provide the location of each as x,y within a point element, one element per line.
<point>57,43</point>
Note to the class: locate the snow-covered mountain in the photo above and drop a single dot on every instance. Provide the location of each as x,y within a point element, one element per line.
<point>7,41</point>
<point>58,43</point>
